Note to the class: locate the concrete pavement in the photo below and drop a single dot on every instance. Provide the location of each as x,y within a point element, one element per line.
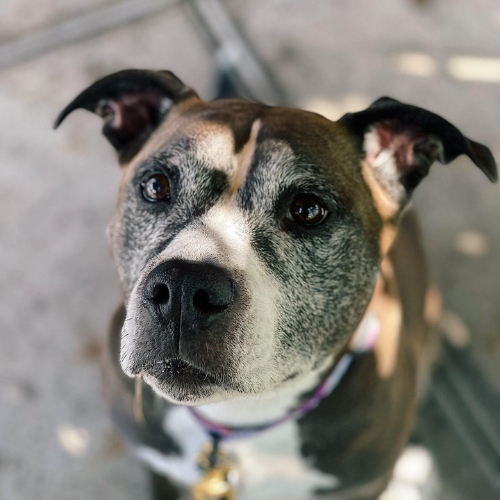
<point>57,189</point>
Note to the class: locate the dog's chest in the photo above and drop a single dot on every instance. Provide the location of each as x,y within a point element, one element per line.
<point>270,465</point>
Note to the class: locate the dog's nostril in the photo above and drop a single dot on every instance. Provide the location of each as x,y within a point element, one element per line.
<point>202,302</point>
<point>161,294</point>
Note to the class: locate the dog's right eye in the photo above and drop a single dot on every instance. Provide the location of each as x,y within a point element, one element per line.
<point>156,188</point>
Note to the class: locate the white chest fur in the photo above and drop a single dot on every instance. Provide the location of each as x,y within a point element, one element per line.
<point>270,464</point>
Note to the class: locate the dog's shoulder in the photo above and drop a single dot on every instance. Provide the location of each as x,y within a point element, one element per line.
<point>359,431</point>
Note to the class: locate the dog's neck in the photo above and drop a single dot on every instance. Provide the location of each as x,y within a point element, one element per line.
<point>265,407</point>
<point>273,405</point>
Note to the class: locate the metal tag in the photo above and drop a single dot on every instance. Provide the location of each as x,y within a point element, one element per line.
<point>220,478</point>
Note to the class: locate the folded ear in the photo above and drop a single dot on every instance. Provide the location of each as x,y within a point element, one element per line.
<point>132,104</point>
<point>400,143</point>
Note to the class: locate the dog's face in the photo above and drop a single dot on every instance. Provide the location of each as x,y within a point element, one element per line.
<point>247,238</point>
<point>257,260</point>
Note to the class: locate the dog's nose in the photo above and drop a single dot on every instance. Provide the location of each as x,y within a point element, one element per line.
<point>191,292</point>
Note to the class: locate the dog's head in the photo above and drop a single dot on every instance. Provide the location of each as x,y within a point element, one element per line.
<point>248,238</point>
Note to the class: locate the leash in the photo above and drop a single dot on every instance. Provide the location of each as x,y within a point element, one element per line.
<point>217,483</point>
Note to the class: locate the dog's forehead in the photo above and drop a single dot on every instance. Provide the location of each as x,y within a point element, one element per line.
<point>218,132</point>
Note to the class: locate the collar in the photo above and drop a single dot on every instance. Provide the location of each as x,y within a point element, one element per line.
<point>361,343</point>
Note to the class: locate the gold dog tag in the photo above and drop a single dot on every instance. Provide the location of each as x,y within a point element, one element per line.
<point>220,476</point>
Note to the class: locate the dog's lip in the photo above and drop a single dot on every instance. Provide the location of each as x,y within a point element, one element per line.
<point>177,367</point>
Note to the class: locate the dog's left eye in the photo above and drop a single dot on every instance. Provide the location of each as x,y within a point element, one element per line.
<point>156,188</point>
<point>308,210</point>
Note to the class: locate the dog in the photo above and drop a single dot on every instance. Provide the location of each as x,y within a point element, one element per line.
<point>275,334</point>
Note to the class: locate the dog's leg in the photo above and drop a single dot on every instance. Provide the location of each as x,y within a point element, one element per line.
<point>162,488</point>
<point>415,476</point>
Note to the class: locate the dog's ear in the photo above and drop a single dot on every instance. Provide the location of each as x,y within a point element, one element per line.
<point>132,104</point>
<point>400,142</point>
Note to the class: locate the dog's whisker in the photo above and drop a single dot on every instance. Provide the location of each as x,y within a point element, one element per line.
<point>138,407</point>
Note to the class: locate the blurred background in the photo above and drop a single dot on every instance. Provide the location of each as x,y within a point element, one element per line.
<point>58,286</point>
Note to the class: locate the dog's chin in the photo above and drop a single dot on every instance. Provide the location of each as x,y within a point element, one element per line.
<point>181,383</point>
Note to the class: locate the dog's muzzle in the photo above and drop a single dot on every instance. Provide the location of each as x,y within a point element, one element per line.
<point>186,324</point>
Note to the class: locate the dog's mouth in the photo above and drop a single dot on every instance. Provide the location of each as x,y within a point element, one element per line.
<point>179,370</point>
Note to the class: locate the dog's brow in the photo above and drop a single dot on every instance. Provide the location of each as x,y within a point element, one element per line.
<point>243,159</point>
